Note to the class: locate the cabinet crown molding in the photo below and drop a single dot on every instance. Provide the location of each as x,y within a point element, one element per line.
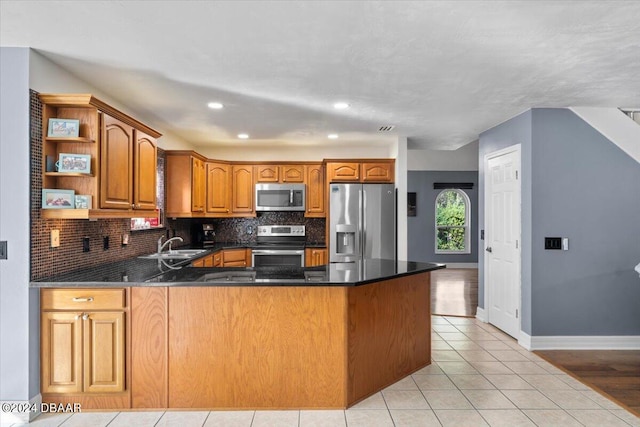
<point>84,100</point>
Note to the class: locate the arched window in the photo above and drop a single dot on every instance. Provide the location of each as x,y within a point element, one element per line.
<point>453,225</point>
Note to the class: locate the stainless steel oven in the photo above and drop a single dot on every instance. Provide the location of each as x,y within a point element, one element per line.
<point>279,246</point>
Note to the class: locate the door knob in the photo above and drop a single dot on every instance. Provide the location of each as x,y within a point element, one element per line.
<point>489,249</point>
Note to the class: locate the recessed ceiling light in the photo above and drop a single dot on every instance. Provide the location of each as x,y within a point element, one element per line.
<point>215,105</point>
<point>340,105</point>
<point>332,136</point>
<point>243,135</point>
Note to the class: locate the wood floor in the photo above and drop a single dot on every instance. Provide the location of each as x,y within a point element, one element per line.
<point>454,292</point>
<point>612,372</point>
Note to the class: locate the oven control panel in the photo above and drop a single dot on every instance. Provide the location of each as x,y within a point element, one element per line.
<point>281,230</point>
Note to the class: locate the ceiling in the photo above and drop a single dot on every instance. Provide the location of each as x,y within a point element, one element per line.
<point>441,72</point>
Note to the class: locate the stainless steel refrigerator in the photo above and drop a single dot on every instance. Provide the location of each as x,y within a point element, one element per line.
<point>362,222</point>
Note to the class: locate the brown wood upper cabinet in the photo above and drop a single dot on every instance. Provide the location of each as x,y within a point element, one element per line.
<point>186,182</point>
<point>122,176</point>
<point>145,163</point>
<point>343,171</point>
<point>198,176</point>
<point>314,177</point>
<point>375,170</point>
<point>128,159</point>
<point>197,187</point>
<point>242,190</point>
<point>218,188</point>
<point>279,173</point>
<point>116,165</point>
<point>229,190</point>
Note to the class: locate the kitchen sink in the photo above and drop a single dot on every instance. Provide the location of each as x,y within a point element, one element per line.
<point>229,276</point>
<point>187,251</point>
<point>175,254</point>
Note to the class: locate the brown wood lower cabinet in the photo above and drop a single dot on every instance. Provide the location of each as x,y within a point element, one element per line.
<point>84,347</point>
<point>277,346</point>
<point>236,258</point>
<point>233,347</point>
<point>315,256</point>
<point>149,353</point>
<point>262,347</point>
<point>225,258</point>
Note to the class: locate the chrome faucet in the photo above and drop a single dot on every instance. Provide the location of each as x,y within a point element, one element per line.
<point>169,242</point>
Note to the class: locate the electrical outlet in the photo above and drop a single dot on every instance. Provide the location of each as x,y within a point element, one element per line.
<point>105,243</point>
<point>3,250</point>
<point>55,238</point>
<point>85,244</point>
<point>125,239</point>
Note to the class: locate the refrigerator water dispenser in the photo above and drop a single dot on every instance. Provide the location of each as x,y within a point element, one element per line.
<point>346,239</point>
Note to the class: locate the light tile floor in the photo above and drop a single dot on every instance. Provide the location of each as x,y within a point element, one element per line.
<point>479,377</point>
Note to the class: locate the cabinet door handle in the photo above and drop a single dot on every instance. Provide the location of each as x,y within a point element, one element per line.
<point>85,316</point>
<point>83,299</point>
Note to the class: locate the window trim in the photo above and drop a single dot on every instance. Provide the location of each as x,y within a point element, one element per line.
<point>466,226</point>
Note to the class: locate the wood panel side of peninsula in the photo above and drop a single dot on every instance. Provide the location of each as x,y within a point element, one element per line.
<point>284,347</point>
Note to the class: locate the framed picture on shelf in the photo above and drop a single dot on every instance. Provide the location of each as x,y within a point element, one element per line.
<point>83,201</point>
<point>63,128</point>
<point>53,198</point>
<point>76,163</point>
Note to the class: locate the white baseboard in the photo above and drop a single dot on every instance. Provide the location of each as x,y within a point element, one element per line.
<point>524,340</point>
<point>623,342</point>
<point>481,315</point>
<point>461,264</point>
<point>21,417</point>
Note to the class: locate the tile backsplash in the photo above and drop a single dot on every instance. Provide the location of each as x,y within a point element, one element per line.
<point>47,261</point>
<point>243,230</point>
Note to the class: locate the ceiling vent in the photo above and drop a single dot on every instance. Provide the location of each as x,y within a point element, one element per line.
<point>386,128</point>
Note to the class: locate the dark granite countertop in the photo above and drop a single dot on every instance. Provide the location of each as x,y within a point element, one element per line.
<point>149,272</point>
<point>315,245</point>
<point>237,245</point>
<point>335,274</point>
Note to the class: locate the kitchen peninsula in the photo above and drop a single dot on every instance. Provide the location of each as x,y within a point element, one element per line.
<point>320,337</point>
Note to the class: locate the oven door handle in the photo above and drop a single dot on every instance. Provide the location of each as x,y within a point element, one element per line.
<point>276,252</point>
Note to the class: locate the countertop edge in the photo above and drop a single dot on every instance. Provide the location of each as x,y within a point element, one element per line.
<point>301,283</point>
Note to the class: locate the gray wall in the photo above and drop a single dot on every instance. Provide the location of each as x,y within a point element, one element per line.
<point>587,189</point>
<point>575,184</point>
<point>421,231</point>
<point>19,314</point>
<point>511,132</point>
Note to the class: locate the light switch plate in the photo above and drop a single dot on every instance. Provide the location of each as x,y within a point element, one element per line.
<point>565,243</point>
<point>55,238</point>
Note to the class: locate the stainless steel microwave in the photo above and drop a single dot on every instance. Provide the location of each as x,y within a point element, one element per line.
<point>280,197</point>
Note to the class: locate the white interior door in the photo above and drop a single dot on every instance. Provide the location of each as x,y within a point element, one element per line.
<point>502,240</point>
